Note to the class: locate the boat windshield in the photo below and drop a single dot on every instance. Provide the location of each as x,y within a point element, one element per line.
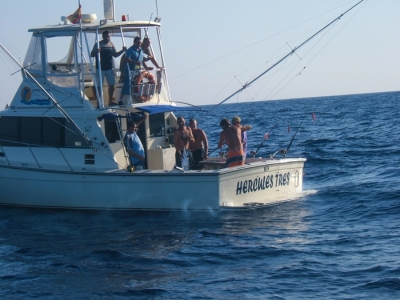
<point>55,57</point>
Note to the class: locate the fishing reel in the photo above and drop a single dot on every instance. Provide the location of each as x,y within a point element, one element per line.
<point>222,154</point>
<point>282,152</point>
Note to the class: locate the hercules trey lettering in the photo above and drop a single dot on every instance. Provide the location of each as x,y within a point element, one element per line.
<point>262,183</point>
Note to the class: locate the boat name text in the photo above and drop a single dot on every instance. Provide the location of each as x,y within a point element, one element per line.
<point>262,183</point>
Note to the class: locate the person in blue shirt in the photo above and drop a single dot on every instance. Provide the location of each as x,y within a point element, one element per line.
<point>134,57</point>
<point>134,146</point>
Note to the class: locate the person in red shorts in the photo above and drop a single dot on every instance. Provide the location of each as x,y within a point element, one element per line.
<point>232,136</point>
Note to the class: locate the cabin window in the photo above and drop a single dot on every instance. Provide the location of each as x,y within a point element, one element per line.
<point>72,137</point>
<point>43,131</point>
<point>61,68</point>
<point>53,134</point>
<point>111,130</point>
<point>8,131</point>
<point>157,125</point>
<point>31,131</point>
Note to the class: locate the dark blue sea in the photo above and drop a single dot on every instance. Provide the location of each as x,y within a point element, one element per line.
<point>341,240</point>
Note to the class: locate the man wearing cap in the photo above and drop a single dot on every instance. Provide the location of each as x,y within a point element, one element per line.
<point>236,122</point>
<point>231,135</point>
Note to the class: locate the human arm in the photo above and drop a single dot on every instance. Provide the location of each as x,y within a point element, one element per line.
<point>190,135</point>
<point>116,54</point>
<point>177,143</point>
<point>221,141</point>
<point>134,154</point>
<point>205,143</point>
<point>147,67</point>
<point>245,127</point>
<point>94,51</point>
<point>146,115</point>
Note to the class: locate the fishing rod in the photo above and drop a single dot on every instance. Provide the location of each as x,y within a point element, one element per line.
<point>293,51</point>
<point>265,138</point>
<point>283,152</point>
<point>63,112</point>
<point>213,151</point>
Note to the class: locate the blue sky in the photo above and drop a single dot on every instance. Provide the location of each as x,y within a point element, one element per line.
<point>212,45</point>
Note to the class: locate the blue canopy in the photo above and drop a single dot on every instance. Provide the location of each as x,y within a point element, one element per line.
<point>155,109</point>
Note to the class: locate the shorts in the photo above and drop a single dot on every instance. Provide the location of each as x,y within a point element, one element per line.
<point>109,75</point>
<point>198,155</point>
<point>235,158</point>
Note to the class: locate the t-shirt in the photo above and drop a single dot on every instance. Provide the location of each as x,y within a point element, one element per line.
<point>133,142</point>
<point>106,55</point>
<point>136,55</point>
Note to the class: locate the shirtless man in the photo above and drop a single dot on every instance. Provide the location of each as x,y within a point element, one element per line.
<point>199,147</point>
<point>236,122</point>
<point>182,136</point>
<point>147,50</point>
<point>232,136</point>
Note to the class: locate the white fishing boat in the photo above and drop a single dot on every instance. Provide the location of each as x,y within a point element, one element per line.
<point>61,146</point>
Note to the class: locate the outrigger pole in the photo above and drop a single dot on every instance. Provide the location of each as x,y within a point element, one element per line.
<point>247,84</point>
<point>51,98</point>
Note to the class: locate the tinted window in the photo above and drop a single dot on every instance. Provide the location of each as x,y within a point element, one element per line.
<point>31,131</point>
<point>8,131</point>
<point>157,125</point>
<point>46,131</point>
<point>72,137</point>
<point>53,132</point>
<point>111,130</point>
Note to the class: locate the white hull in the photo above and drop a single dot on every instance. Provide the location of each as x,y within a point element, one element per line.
<point>154,190</point>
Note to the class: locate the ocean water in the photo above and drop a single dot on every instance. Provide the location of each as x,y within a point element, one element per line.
<point>340,240</point>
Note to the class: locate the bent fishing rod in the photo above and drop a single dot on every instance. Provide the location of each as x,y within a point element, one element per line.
<point>247,84</point>
<point>63,112</point>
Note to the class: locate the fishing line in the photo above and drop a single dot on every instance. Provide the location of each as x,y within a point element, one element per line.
<point>257,42</point>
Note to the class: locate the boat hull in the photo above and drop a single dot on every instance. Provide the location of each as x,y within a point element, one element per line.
<point>254,184</point>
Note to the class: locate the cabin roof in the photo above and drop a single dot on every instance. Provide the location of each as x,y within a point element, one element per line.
<point>92,27</point>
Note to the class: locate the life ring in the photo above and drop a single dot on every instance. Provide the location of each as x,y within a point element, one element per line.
<point>139,82</point>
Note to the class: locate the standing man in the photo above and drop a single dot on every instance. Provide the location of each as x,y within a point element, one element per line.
<point>199,146</point>
<point>147,50</point>
<point>182,136</point>
<point>231,135</point>
<point>133,59</point>
<point>134,146</point>
<point>236,122</point>
<point>107,52</point>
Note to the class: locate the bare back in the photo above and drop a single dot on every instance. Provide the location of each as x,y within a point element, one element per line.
<point>232,137</point>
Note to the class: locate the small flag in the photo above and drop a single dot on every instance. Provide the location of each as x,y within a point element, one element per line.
<point>76,16</point>
<point>266,136</point>
<point>314,117</point>
<point>288,129</point>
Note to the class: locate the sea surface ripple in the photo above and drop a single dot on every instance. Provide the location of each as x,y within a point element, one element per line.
<point>340,240</point>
